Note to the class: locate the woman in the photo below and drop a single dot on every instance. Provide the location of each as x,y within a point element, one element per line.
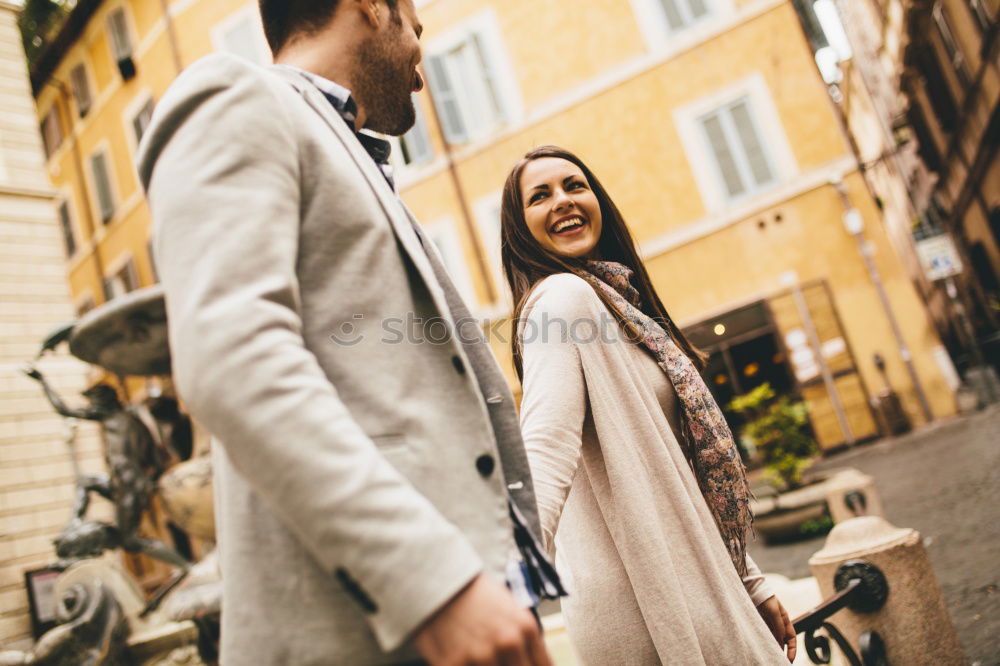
<point>635,470</point>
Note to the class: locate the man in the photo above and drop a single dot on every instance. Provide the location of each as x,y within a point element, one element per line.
<point>369,494</point>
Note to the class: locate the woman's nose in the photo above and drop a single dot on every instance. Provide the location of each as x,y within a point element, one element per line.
<point>561,200</point>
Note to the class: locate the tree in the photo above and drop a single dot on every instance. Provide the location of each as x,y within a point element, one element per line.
<point>39,20</point>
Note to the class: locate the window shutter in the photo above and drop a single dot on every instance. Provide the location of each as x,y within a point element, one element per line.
<point>51,131</point>
<point>446,100</point>
<point>752,146</point>
<point>81,88</point>
<point>489,76</point>
<point>141,120</point>
<point>102,184</point>
<point>698,8</point>
<point>67,229</point>
<point>723,155</point>
<point>673,14</point>
<point>120,40</point>
<point>416,144</point>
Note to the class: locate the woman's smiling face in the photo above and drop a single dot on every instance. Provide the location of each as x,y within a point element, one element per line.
<point>561,211</point>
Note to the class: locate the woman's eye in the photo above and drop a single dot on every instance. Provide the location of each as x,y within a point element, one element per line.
<point>574,185</point>
<point>535,197</point>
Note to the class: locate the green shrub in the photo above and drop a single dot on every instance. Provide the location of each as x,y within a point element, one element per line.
<point>778,427</point>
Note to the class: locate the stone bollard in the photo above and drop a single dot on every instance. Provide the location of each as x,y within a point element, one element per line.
<point>909,615</point>
<point>851,493</point>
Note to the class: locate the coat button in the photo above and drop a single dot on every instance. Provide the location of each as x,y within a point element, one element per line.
<point>485,464</point>
<point>459,366</point>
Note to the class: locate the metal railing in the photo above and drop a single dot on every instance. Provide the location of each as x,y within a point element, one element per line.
<point>861,587</point>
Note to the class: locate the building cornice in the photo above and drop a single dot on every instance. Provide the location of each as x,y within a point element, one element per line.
<point>31,192</point>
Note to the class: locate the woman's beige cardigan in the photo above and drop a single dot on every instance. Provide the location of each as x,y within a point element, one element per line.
<point>649,578</point>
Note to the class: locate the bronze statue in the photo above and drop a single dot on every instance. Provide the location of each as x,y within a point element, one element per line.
<point>135,462</point>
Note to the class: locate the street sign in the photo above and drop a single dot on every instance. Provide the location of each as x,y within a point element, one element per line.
<point>938,257</point>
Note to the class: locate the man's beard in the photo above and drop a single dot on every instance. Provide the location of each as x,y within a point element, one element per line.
<point>383,86</point>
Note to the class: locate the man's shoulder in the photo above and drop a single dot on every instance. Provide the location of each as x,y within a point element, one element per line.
<point>222,70</point>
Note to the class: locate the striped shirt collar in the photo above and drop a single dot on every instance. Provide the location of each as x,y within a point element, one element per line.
<point>342,101</point>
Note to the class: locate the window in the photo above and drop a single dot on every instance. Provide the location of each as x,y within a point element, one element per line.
<point>735,143</point>
<point>472,85</point>
<point>683,13</point>
<point>415,145</point>
<point>488,222</point>
<point>152,260</point>
<point>121,39</point>
<point>983,12</point>
<point>52,132</point>
<point>446,240</point>
<point>243,36</point>
<point>122,282</point>
<point>102,186</point>
<point>951,46</point>
<point>737,148</point>
<point>662,22</point>
<point>939,93</point>
<point>66,224</point>
<point>81,88</point>
<point>140,121</point>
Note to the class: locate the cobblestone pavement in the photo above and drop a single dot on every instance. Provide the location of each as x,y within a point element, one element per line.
<point>944,481</point>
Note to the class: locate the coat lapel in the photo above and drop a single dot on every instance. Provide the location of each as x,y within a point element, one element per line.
<point>399,218</point>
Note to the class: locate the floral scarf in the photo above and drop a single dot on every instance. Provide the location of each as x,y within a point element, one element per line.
<point>713,453</point>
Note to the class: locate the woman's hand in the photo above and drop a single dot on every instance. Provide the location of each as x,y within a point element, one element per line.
<point>776,618</point>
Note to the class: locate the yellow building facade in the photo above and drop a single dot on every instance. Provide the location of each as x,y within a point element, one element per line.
<point>706,120</point>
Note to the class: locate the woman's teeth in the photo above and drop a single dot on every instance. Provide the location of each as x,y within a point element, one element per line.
<point>567,224</point>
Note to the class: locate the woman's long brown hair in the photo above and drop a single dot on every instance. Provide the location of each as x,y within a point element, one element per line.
<point>526,263</point>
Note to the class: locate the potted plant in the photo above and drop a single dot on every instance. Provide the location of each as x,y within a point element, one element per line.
<point>777,428</point>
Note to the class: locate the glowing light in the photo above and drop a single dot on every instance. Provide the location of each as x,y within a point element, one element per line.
<point>721,379</point>
<point>719,329</point>
<point>751,369</point>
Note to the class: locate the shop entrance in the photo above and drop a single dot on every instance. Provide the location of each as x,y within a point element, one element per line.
<point>744,352</point>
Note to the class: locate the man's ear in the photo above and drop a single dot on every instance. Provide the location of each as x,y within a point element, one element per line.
<point>371,11</point>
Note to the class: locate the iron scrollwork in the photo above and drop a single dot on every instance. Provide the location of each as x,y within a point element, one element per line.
<point>861,587</point>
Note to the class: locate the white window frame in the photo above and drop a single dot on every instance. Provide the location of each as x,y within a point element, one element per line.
<point>104,149</point>
<point>652,21</point>
<point>487,213</point>
<point>224,28</point>
<point>132,111</point>
<point>767,122</point>
<point>120,51</point>
<point>444,234</point>
<point>81,111</point>
<point>484,26</point>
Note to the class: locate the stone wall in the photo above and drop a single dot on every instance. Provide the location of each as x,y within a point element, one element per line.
<point>36,477</point>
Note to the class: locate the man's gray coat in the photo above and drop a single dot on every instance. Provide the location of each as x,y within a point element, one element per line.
<point>359,481</point>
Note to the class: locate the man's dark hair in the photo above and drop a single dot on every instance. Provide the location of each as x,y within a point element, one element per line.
<point>285,19</point>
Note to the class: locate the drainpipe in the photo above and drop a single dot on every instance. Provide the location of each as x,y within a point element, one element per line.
<point>854,224</point>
